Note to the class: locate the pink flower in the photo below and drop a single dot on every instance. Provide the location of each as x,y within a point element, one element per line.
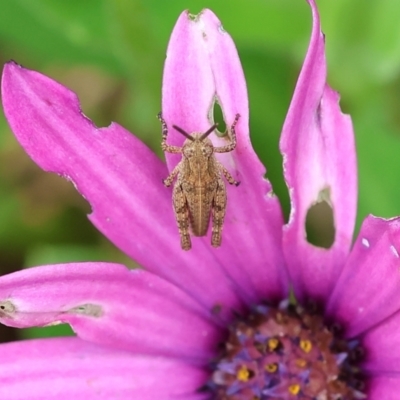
<point>208,323</point>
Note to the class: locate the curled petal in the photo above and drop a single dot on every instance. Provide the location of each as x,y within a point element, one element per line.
<point>70,368</point>
<point>202,67</point>
<point>317,144</point>
<point>367,291</point>
<point>109,304</point>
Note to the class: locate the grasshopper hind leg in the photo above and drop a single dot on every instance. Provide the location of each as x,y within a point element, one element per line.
<point>182,216</point>
<point>218,213</point>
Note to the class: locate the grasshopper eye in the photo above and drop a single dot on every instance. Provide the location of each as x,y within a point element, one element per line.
<point>207,151</point>
<point>188,152</point>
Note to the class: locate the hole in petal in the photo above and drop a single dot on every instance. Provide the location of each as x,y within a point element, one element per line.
<point>92,310</point>
<point>320,226</point>
<point>218,117</point>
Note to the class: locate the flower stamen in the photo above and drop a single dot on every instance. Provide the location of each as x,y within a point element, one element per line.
<point>305,345</point>
<point>243,374</point>
<point>294,389</point>
<point>286,351</point>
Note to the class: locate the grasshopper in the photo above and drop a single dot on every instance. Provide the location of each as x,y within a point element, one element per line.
<point>199,191</point>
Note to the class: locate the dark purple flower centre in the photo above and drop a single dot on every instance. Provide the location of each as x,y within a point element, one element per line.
<point>286,353</point>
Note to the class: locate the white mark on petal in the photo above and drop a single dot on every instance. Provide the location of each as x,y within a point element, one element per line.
<point>365,242</point>
<point>394,251</point>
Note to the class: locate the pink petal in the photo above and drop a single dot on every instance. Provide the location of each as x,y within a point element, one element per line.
<point>202,64</point>
<point>382,346</point>
<point>317,144</point>
<point>385,387</point>
<point>119,176</point>
<point>109,304</point>
<point>70,368</point>
<point>367,291</point>
<point>107,165</point>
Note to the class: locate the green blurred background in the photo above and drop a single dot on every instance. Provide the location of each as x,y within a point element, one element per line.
<point>111,52</point>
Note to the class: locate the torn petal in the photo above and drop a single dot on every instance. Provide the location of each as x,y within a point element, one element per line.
<point>114,171</point>
<point>318,147</point>
<point>202,65</point>
<point>109,304</point>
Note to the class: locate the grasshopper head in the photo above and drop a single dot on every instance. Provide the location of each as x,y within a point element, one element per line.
<point>197,144</point>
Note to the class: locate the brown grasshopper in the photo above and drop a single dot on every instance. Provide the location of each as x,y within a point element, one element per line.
<point>199,189</point>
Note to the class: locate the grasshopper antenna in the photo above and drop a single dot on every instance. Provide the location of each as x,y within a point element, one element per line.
<point>204,135</point>
<point>180,130</point>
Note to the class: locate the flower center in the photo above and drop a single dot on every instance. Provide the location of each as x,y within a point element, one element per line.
<point>286,353</point>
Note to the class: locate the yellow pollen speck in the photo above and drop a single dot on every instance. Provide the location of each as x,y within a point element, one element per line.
<point>273,344</point>
<point>243,374</point>
<point>305,345</point>
<point>301,363</point>
<point>294,389</point>
<point>271,368</point>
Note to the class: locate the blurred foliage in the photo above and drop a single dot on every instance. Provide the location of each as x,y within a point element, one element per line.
<point>111,53</point>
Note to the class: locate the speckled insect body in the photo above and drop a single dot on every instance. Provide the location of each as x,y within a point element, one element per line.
<point>199,192</point>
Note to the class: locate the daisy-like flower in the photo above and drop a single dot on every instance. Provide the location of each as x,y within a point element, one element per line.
<point>209,323</point>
